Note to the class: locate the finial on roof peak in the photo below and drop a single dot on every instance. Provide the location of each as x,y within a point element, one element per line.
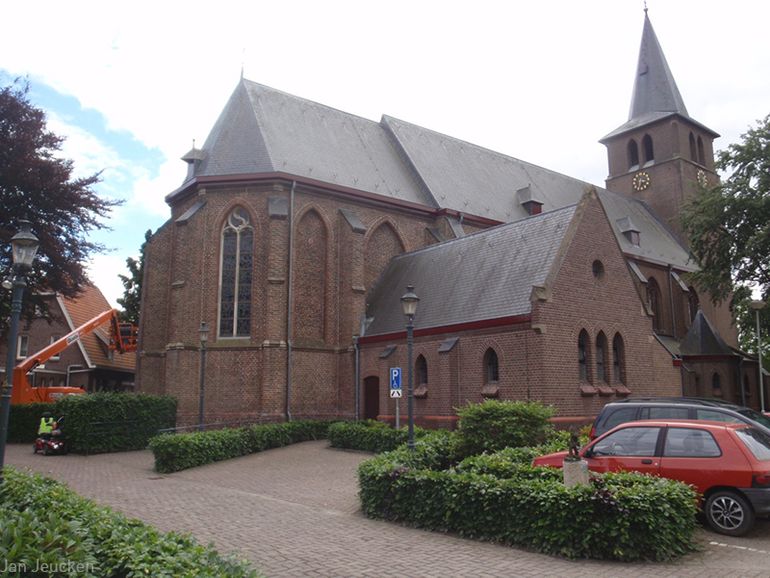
<point>645,7</point>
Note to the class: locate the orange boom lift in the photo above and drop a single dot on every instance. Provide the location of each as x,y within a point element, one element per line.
<point>122,339</point>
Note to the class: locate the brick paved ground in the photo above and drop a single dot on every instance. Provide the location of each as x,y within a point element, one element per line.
<point>294,512</point>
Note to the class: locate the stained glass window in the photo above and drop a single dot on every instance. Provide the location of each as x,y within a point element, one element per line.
<point>237,263</point>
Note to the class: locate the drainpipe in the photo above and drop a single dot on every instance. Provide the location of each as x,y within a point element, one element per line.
<point>289,302</point>
<point>740,381</point>
<point>357,384</point>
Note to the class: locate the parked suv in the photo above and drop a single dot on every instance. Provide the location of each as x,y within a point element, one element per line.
<point>662,408</point>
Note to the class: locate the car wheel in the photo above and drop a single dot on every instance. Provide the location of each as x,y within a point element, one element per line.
<point>729,513</point>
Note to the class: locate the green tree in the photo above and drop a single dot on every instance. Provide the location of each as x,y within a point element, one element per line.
<point>36,184</point>
<point>728,228</point>
<point>132,285</point>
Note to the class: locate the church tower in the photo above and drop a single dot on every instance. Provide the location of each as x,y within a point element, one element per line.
<point>660,154</point>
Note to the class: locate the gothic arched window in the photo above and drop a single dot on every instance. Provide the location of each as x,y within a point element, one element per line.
<point>693,152</point>
<point>237,256</point>
<point>653,297</point>
<point>701,152</point>
<point>491,366</point>
<point>693,304</point>
<point>583,355</point>
<point>633,155</point>
<point>618,359</point>
<point>601,352</point>
<point>649,154</point>
<point>421,370</point>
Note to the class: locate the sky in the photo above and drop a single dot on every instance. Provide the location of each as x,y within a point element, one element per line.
<point>131,85</point>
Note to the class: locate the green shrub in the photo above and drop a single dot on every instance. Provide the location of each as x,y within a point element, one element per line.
<point>494,425</point>
<point>24,420</point>
<point>45,522</point>
<point>129,420</point>
<point>370,436</point>
<point>175,452</point>
<point>619,516</point>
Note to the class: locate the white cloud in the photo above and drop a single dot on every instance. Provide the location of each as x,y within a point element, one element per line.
<point>104,270</point>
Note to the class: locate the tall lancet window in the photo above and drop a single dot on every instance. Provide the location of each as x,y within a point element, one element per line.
<point>237,262</point>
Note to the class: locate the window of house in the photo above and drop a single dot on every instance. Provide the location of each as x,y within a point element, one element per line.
<point>633,155</point>
<point>618,360</point>
<point>601,352</point>
<point>653,298</point>
<point>491,365</point>
<point>236,275</point>
<point>597,268</point>
<point>583,355</point>
<point>57,357</point>
<point>421,370</point>
<point>22,346</point>
<point>649,154</point>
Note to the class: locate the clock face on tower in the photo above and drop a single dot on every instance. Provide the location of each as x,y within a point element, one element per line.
<point>641,181</point>
<point>703,180</point>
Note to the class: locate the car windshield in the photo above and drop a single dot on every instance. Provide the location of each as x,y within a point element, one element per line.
<point>757,441</point>
<point>755,416</point>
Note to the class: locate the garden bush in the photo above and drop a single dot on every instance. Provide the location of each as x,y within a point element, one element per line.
<point>175,452</point>
<point>618,516</point>
<point>369,435</point>
<point>493,425</point>
<point>46,523</point>
<point>108,422</point>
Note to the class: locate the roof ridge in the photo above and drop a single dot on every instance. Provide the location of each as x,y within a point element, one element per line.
<point>489,230</point>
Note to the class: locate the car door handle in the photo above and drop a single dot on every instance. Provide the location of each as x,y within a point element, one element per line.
<point>646,461</point>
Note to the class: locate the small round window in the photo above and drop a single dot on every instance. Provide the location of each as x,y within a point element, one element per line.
<point>598,269</point>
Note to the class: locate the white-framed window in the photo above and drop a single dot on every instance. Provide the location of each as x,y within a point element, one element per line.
<point>22,346</point>
<point>237,257</point>
<point>56,357</point>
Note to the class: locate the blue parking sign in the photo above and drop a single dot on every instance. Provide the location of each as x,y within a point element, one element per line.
<point>395,378</point>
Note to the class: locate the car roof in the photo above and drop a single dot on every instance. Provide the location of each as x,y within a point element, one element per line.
<point>690,423</point>
<point>678,401</point>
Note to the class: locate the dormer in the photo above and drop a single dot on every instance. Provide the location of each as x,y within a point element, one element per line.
<point>528,200</point>
<point>629,230</point>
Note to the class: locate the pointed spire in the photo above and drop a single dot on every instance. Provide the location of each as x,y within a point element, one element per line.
<point>655,90</point>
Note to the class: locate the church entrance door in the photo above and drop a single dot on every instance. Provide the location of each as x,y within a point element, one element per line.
<point>371,397</point>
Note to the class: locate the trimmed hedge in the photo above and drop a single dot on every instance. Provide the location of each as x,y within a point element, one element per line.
<point>370,436</point>
<point>175,452</point>
<point>619,516</point>
<point>24,420</point>
<point>129,420</point>
<point>45,523</point>
<point>493,425</point>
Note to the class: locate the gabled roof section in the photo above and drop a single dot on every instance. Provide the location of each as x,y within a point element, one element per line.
<point>479,181</point>
<point>702,339</point>
<point>483,276</point>
<point>90,303</point>
<point>657,244</point>
<point>655,95</point>
<point>263,130</point>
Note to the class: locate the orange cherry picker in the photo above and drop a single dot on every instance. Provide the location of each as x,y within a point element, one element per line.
<point>122,339</point>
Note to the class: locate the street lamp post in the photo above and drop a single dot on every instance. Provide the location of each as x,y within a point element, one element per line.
<point>203,332</point>
<point>24,245</point>
<point>409,305</point>
<point>756,306</point>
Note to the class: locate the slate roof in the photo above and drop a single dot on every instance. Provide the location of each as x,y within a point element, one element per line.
<point>486,275</point>
<point>90,303</point>
<point>702,339</point>
<point>655,95</point>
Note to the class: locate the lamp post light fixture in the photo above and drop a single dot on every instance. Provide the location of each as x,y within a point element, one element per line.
<point>756,306</point>
<point>24,247</point>
<point>409,303</point>
<point>203,333</point>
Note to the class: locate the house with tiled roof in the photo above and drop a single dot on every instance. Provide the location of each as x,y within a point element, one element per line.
<point>88,362</point>
<point>298,227</point>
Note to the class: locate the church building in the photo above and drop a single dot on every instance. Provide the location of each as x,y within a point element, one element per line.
<point>299,227</point>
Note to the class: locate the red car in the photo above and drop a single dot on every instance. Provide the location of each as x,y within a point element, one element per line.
<point>728,463</point>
